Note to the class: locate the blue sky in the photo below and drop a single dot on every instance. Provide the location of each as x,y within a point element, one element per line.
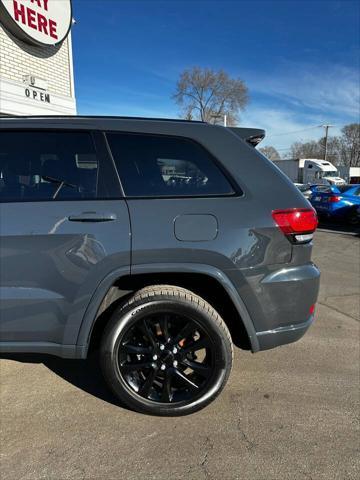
<point>299,59</point>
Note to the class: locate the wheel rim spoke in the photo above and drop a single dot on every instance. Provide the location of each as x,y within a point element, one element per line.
<point>147,332</point>
<point>196,345</point>
<point>187,330</point>
<point>166,390</point>
<point>147,385</point>
<point>164,326</point>
<point>186,380</point>
<point>200,368</point>
<point>132,367</point>
<point>137,349</point>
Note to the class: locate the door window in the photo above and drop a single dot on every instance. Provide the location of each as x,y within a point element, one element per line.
<point>47,166</point>
<point>158,165</point>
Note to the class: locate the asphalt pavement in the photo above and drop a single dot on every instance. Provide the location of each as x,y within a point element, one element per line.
<point>290,413</point>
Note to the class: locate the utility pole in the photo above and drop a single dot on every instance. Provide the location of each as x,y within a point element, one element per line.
<point>326,138</point>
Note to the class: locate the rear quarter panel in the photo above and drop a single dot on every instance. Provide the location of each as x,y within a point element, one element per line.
<point>248,246</point>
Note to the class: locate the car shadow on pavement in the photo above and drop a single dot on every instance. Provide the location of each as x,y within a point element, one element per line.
<point>339,227</point>
<point>83,374</point>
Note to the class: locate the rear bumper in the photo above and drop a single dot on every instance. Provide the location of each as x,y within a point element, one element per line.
<point>282,335</point>
<point>280,304</point>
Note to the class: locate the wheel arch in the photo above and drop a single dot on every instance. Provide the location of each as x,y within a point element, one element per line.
<point>206,281</point>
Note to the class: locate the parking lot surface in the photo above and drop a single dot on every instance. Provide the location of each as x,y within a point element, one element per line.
<point>289,413</point>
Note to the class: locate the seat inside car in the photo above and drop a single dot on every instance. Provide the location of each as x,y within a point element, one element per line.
<point>60,170</point>
<point>15,179</point>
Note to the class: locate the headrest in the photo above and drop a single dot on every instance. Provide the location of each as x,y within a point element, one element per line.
<point>56,169</point>
<point>19,167</point>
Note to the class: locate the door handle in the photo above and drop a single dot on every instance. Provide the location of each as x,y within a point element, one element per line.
<point>92,217</point>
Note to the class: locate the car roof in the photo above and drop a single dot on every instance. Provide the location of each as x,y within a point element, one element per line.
<point>95,117</point>
<point>95,122</point>
<point>169,126</point>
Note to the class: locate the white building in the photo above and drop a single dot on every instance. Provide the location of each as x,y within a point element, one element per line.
<point>36,62</point>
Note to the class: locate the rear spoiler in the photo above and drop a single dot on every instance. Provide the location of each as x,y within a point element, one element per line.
<point>253,136</point>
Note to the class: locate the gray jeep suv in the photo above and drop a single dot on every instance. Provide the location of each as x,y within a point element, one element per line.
<point>158,244</point>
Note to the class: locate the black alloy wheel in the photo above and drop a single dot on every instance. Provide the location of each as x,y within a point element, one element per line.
<point>166,352</point>
<point>166,358</point>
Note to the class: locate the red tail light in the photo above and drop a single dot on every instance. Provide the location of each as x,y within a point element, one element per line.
<point>298,224</point>
<point>334,199</point>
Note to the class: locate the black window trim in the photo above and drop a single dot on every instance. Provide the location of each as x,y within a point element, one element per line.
<point>237,190</point>
<point>112,160</point>
<point>102,156</point>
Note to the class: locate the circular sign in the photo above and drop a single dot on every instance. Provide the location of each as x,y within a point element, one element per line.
<point>40,22</point>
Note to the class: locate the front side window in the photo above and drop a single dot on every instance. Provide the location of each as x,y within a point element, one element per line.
<point>47,166</point>
<point>155,165</point>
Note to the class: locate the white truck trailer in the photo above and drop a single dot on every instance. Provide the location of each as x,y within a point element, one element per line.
<point>310,170</point>
<point>350,174</point>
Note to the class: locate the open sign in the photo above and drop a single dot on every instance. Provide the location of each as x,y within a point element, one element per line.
<point>41,22</point>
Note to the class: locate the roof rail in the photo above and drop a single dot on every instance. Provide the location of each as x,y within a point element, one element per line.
<point>110,117</point>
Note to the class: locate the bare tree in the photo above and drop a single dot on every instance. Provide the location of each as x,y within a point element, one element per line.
<point>208,95</point>
<point>311,149</point>
<point>333,149</point>
<point>350,145</point>
<point>342,150</point>
<point>270,152</point>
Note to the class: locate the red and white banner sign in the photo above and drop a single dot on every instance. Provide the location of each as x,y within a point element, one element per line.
<point>43,22</point>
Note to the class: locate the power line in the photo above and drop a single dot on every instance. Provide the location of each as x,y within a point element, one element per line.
<point>295,131</point>
<point>280,149</point>
<point>324,147</point>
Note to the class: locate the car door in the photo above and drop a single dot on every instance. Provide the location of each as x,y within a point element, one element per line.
<point>63,227</point>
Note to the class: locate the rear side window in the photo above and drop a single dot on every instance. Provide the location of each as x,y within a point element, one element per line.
<point>156,165</point>
<point>322,189</point>
<point>45,165</point>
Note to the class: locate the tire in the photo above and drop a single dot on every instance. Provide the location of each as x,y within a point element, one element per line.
<point>352,218</point>
<point>166,352</point>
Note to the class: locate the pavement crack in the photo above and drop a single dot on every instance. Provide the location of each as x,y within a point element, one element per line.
<point>250,445</point>
<point>208,446</point>
<point>338,311</point>
<point>341,296</point>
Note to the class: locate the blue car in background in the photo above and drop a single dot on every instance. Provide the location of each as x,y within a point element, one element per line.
<point>337,202</point>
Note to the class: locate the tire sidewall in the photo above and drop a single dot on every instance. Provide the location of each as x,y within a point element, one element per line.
<point>352,218</point>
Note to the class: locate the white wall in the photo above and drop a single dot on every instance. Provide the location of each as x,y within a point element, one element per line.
<point>52,64</point>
